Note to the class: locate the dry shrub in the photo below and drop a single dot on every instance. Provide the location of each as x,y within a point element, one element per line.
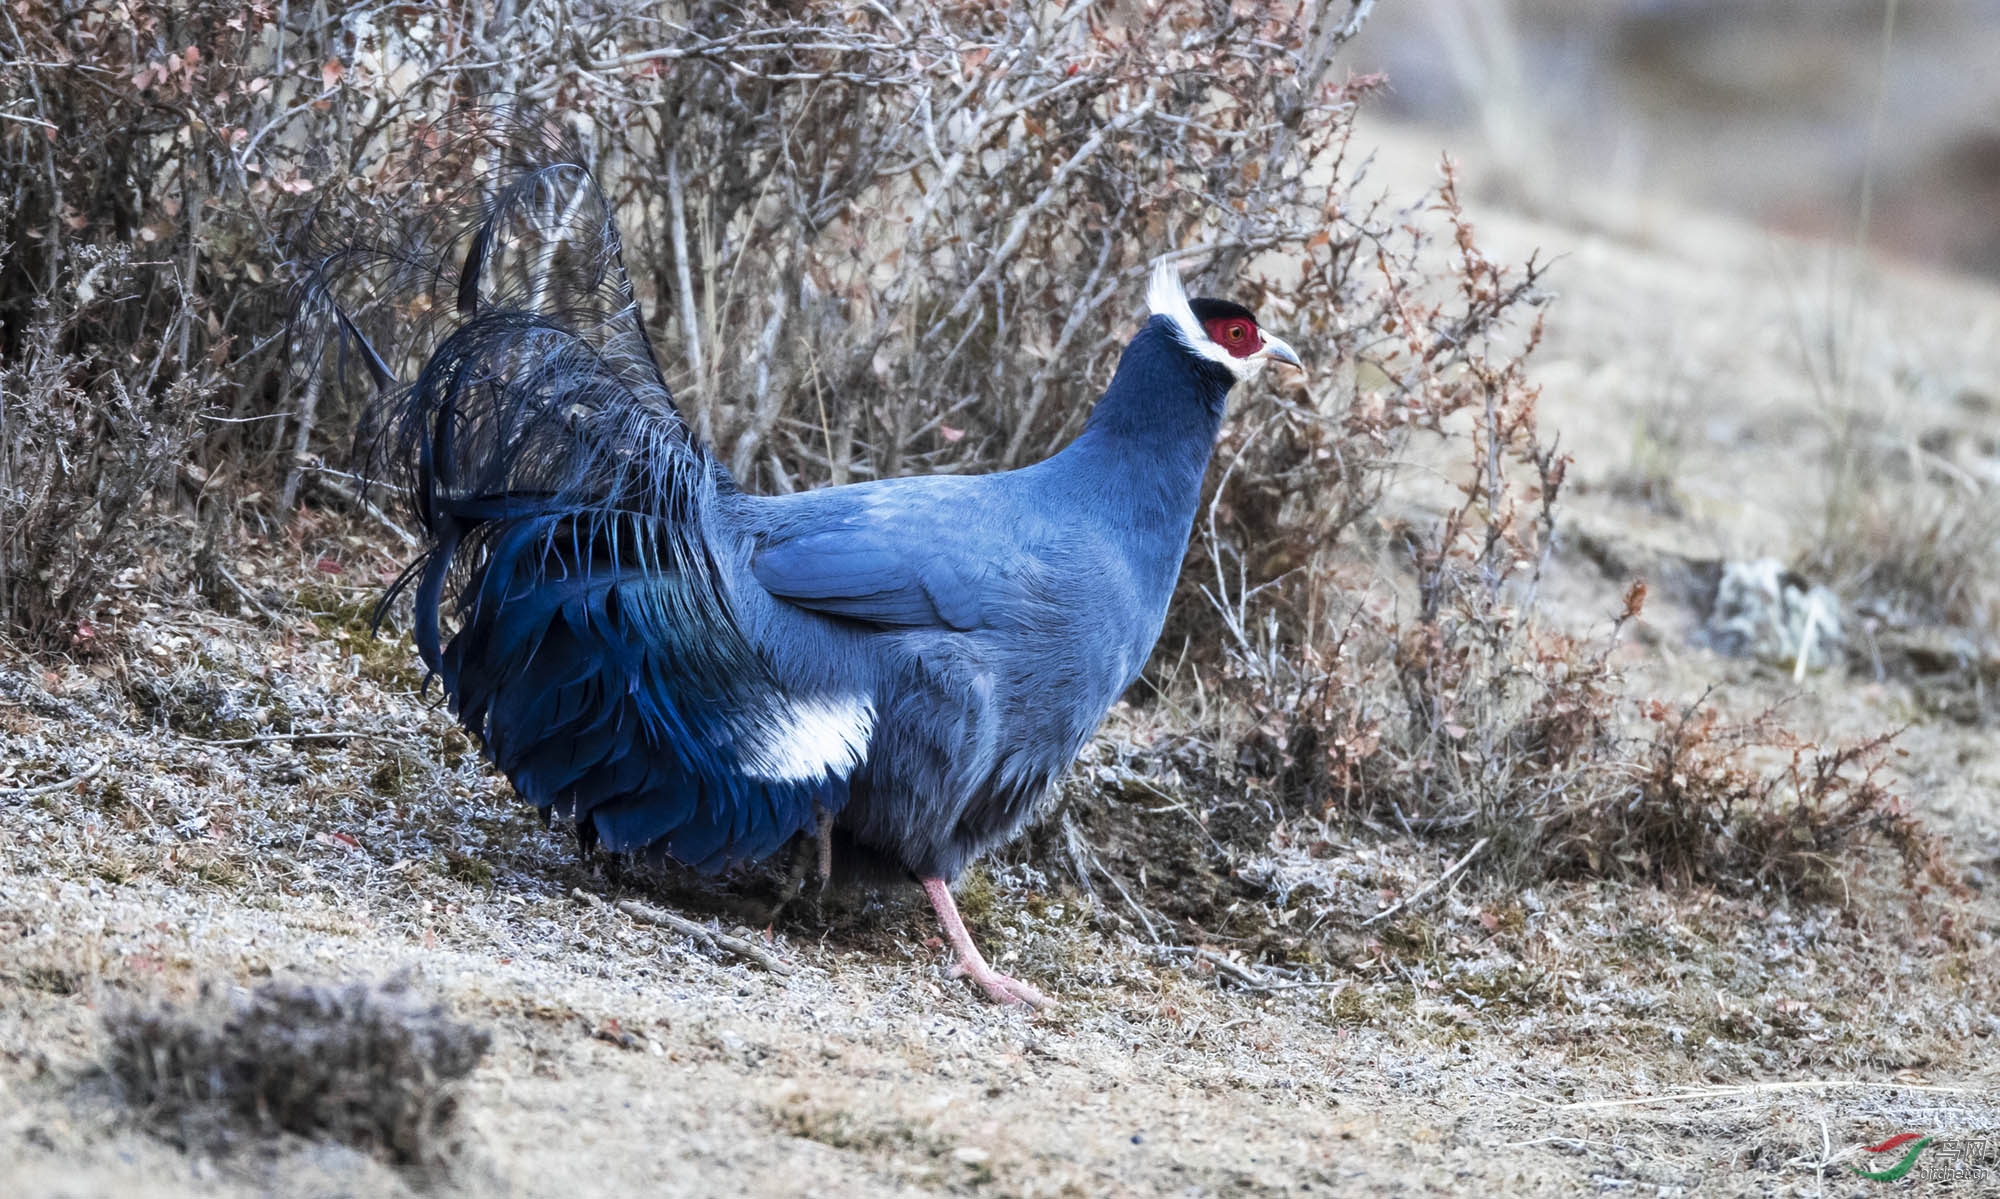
<point>870,239</point>
<point>875,241</point>
<point>88,433</point>
<point>1425,696</point>
<point>374,1067</point>
<point>131,268</point>
<point>1739,805</point>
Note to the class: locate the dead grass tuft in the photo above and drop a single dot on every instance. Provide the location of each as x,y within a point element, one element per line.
<point>1909,524</point>
<point>374,1067</point>
<point>1707,804</point>
<point>1914,551</point>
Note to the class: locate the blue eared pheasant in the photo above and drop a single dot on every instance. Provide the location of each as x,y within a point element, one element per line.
<point>684,669</point>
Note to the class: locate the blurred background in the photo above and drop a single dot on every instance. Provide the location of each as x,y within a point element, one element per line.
<point>1778,111</point>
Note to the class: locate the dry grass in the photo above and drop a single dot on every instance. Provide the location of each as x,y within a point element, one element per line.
<point>1911,539</point>
<point>375,1067</point>
<point>1245,954</point>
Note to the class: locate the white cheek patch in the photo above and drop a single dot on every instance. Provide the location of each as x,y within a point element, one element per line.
<point>1166,297</point>
<point>809,739</point>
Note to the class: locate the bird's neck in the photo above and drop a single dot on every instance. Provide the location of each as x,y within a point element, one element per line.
<point>1157,424</point>
<point>1151,435</point>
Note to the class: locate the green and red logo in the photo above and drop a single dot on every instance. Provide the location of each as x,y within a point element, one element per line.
<point>1912,1146</point>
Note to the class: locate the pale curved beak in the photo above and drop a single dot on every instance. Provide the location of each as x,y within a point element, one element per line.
<point>1276,350</point>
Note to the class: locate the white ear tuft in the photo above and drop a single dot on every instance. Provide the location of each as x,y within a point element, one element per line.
<point>1164,295</point>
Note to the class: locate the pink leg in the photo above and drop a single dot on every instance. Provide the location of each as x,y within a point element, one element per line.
<point>998,987</point>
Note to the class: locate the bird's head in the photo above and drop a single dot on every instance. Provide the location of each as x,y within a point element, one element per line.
<point>1220,331</point>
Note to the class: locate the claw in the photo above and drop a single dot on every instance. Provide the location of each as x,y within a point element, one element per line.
<point>1003,989</point>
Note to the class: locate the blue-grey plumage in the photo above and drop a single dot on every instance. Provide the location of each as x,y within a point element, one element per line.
<point>681,668</point>
<point>1012,609</point>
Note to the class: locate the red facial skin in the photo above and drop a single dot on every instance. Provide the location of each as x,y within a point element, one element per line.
<point>1235,334</point>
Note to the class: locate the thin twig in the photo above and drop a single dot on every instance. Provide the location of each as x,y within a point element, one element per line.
<point>63,784</point>
<point>1760,1088</point>
<point>242,592</point>
<point>646,914</point>
<point>322,479</point>
<point>1249,978</point>
<point>324,735</point>
<point>1427,888</point>
<point>1078,850</point>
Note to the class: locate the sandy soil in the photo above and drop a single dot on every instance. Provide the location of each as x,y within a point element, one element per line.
<point>1489,1045</point>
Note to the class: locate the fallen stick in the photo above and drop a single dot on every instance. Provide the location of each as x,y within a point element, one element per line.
<point>243,593</point>
<point>1237,971</point>
<point>1429,887</point>
<point>323,735</point>
<point>646,914</point>
<point>1763,1088</point>
<point>45,788</point>
<point>322,479</point>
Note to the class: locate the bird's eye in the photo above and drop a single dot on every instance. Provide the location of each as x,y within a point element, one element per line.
<point>1236,333</point>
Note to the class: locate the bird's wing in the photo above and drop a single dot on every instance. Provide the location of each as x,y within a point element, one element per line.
<point>864,575</point>
<point>914,557</point>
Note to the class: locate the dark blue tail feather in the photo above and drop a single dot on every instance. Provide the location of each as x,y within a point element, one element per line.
<point>571,601</point>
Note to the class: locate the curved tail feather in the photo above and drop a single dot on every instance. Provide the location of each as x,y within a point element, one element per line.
<point>575,597</point>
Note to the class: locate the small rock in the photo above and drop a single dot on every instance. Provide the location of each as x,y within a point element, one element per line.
<point>1765,611</point>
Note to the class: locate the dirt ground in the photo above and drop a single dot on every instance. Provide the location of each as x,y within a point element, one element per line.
<point>1590,1039</point>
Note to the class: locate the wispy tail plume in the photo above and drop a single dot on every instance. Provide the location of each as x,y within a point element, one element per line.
<point>506,371</point>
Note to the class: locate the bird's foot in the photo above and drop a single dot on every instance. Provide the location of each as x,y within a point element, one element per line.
<point>1003,989</point>
<point>971,963</point>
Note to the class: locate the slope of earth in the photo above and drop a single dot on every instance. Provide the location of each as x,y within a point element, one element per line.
<point>1566,1039</point>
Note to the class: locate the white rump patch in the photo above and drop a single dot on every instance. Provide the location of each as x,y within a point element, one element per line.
<point>807,739</point>
<point>1166,297</point>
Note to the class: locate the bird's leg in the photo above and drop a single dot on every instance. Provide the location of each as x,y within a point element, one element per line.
<point>793,882</point>
<point>998,987</point>
<point>804,858</point>
<point>825,848</point>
